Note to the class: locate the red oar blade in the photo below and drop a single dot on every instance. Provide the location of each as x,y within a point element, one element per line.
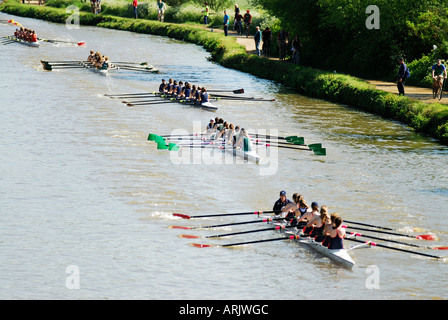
<point>82,44</point>
<point>179,227</point>
<point>440,248</point>
<point>188,236</point>
<point>429,237</point>
<point>198,245</point>
<point>183,216</point>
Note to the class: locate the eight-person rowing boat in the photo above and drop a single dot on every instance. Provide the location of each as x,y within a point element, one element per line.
<point>315,229</point>
<point>186,93</point>
<point>25,36</point>
<point>97,62</point>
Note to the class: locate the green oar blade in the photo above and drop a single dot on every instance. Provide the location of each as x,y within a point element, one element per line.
<point>162,146</point>
<point>315,146</point>
<point>320,152</point>
<point>173,147</point>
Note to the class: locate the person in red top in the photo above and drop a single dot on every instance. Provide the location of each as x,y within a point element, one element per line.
<point>33,36</point>
<point>135,4</point>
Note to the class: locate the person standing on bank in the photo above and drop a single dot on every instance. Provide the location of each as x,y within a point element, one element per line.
<point>135,4</point>
<point>205,11</point>
<point>257,39</point>
<point>401,76</point>
<point>226,23</point>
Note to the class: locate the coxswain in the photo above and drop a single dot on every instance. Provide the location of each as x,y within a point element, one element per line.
<point>280,203</point>
<point>162,86</point>
<point>336,234</point>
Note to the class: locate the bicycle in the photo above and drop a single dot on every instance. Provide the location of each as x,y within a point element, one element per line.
<point>437,92</point>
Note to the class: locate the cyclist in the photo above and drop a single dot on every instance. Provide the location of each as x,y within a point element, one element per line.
<point>438,72</point>
<point>161,7</point>
<point>247,21</point>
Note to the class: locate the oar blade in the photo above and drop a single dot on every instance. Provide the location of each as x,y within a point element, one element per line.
<point>179,227</point>
<point>429,237</point>
<point>320,152</point>
<point>188,236</point>
<point>183,216</point>
<point>199,245</point>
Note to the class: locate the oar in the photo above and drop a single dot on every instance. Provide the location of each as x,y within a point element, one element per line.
<point>244,99</point>
<point>397,249</point>
<point>128,94</point>
<point>155,102</point>
<point>81,43</point>
<point>185,216</point>
<point>186,236</point>
<point>288,138</point>
<point>152,100</point>
<point>316,151</point>
<point>400,242</point>
<point>238,91</point>
<point>428,237</point>
<point>226,224</point>
<point>138,63</point>
<point>292,237</point>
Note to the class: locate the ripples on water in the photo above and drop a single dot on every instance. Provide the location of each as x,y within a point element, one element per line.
<point>82,186</point>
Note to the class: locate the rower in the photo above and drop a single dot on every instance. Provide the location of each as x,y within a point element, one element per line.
<point>106,64</point>
<point>162,86</point>
<point>210,126</point>
<point>203,95</point>
<point>309,215</point>
<point>230,132</point>
<point>169,87</point>
<point>280,203</point>
<point>91,56</point>
<point>319,224</point>
<point>187,91</point>
<point>174,88</point>
<point>299,207</point>
<point>244,141</point>
<point>33,36</point>
<point>336,234</point>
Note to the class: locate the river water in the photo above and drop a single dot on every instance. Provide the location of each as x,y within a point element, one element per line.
<point>87,201</point>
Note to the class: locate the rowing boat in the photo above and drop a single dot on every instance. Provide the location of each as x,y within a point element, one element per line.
<point>246,155</point>
<point>28,43</point>
<point>87,65</point>
<point>338,256</point>
<point>205,105</point>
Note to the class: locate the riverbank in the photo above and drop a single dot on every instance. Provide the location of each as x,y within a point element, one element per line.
<point>428,118</point>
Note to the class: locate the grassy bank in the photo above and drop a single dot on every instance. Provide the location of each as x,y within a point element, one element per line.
<point>431,119</point>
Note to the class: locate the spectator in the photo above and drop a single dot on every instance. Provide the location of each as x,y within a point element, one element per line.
<point>281,41</point>
<point>239,24</point>
<point>135,5</point>
<point>237,12</point>
<point>206,10</point>
<point>226,23</point>
<point>296,46</point>
<point>401,76</point>
<point>266,37</point>
<point>257,39</point>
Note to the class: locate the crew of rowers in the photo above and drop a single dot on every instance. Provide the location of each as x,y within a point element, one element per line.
<point>314,222</point>
<point>99,61</point>
<point>186,91</point>
<point>231,135</point>
<point>25,34</point>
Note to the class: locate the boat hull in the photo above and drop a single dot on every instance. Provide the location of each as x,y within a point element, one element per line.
<point>94,69</point>
<point>27,43</point>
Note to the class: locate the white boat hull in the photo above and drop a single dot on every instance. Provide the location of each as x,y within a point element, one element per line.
<point>28,43</point>
<point>94,69</point>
